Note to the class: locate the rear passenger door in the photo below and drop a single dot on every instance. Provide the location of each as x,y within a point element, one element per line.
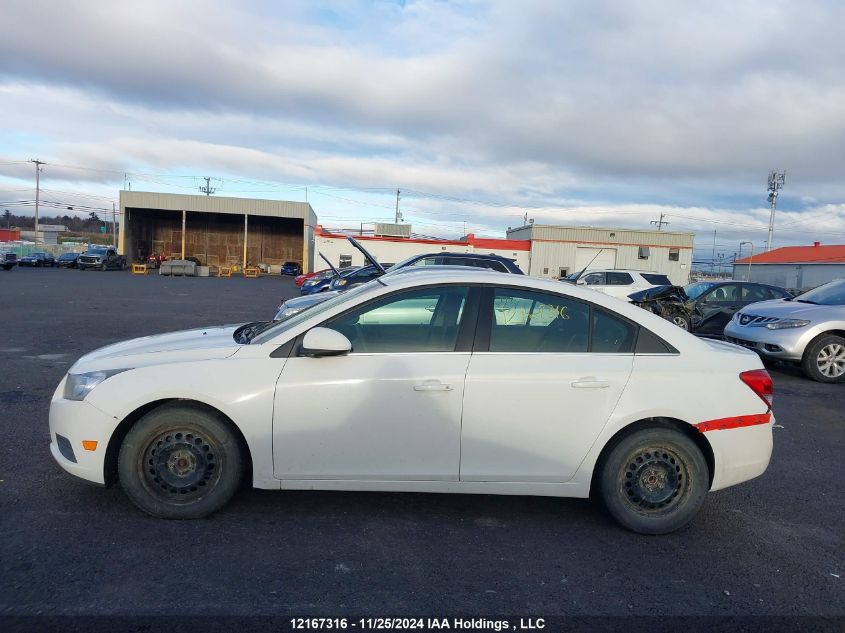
<point>545,374</point>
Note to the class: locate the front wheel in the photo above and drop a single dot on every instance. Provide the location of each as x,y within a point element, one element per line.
<point>679,319</point>
<point>824,359</point>
<point>180,462</point>
<point>654,481</point>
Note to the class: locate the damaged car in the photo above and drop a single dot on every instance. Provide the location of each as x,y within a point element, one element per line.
<point>706,307</point>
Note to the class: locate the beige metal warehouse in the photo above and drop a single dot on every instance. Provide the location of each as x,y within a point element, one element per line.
<point>557,251</point>
<point>217,230</point>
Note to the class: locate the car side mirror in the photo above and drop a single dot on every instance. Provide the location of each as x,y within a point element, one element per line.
<point>321,341</point>
<point>580,282</point>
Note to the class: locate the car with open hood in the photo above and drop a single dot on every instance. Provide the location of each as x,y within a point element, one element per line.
<point>450,381</point>
<point>808,330</point>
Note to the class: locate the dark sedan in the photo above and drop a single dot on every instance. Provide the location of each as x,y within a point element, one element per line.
<point>37,260</point>
<point>705,307</point>
<point>67,260</point>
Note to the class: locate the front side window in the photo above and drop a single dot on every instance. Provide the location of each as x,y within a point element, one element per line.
<point>722,294</point>
<point>594,279</point>
<point>423,320</point>
<point>526,321</point>
<point>751,294</point>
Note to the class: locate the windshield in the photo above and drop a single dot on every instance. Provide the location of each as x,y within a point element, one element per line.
<point>694,291</point>
<point>830,294</point>
<point>296,319</point>
<point>96,251</point>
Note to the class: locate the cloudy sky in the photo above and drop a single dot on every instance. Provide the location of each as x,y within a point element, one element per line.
<point>593,112</point>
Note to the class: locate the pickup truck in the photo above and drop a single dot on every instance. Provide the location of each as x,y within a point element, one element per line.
<point>101,258</point>
<point>8,260</point>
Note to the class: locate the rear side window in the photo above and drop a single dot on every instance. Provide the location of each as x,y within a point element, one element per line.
<point>619,279</point>
<point>657,280</point>
<point>525,321</point>
<point>611,334</point>
<point>650,343</point>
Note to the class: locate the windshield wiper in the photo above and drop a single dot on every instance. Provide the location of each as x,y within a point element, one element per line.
<point>805,301</point>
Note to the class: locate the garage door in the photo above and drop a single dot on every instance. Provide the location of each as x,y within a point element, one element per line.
<point>600,258</point>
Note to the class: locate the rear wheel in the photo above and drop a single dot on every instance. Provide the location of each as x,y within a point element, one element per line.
<point>654,481</point>
<point>180,462</point>
<point>824,359</point>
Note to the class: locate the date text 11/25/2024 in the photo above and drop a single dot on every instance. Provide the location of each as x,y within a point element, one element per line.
<point>418,624</point>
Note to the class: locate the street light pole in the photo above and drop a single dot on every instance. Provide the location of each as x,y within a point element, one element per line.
<point>750,258</point>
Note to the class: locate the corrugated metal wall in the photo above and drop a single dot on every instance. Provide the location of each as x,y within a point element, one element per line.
<point>792,276</point>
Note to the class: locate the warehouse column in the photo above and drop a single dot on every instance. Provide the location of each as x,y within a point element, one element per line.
<point>183,234</point>
<point>246,222</point>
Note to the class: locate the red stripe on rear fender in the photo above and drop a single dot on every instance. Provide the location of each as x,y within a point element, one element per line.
<point>734,422</point>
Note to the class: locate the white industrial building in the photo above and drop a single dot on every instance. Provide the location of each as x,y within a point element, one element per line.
<point>393,248</point>
<point>794,267</point>
<point>558,251</point>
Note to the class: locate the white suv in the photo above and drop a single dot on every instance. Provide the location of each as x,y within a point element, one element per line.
<point>621,283</point>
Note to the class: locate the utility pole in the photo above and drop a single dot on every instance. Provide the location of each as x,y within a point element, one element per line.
<point>398,217</point>
<point>713,258</point>
<point>660,222</point>
<point>38,164</point>
<point>776,182</point>
<point>208,189</point>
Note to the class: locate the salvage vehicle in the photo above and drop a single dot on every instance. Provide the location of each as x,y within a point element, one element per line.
<point>8,260</point>
<point>67,260</point>
<point>37,260</point>
<point>101,258</point>
<point>446,381</point>
<point>808,330</point>
<point>301,279</point>
<point>619,283</point>
<point>704,308</point>
<point>320,283</point>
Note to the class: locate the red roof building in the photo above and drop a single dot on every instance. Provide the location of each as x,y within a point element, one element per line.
<point>815,254</point>
<point>794,267</point>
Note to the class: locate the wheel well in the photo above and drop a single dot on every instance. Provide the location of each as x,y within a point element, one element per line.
<point>825,333</point>
<point>657,423</point>
<point>113,449</point>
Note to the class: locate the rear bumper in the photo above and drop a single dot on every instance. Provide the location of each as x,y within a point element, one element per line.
<point>740,454</point>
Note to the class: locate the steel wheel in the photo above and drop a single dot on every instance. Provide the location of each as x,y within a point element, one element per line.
<point>653,481</point>
<point>180,462</point>
<point>178,465</point>
<point>831,360</point>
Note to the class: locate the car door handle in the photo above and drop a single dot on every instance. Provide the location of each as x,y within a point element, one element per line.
<point>590,383</point>
<point>433,386</point>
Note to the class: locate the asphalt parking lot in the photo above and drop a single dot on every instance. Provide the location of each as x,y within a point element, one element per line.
<point>773,546</point>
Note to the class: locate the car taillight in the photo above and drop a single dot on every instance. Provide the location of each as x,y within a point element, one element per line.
<point>760,383</point>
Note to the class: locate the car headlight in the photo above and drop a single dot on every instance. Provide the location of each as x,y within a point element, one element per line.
<point>78,386</point>
<point>787,323</point>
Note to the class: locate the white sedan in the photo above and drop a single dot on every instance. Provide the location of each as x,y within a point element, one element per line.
<point>431,381</point>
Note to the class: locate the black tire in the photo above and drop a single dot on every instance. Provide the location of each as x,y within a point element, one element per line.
<point>680,319</point>
<point>103,267</point>
<point>653,481</point>
<point>180,462</point>
<point>824,359</point>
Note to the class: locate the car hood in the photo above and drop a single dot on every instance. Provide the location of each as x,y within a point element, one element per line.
<point>789,309</point>
<point>187,345</point>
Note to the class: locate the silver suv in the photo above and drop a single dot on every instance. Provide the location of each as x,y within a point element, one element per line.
<point>809,329</point>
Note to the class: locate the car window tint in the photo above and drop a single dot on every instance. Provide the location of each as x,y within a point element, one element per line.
<point>611,334</point>
<point>750,294</point>
<point>649,343</point>
<point>657,280</point>
<point>722,294</point>
<point>594,279</point>
<point>424,320</point>
<point>525,321</point>
<point>619,279</point>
